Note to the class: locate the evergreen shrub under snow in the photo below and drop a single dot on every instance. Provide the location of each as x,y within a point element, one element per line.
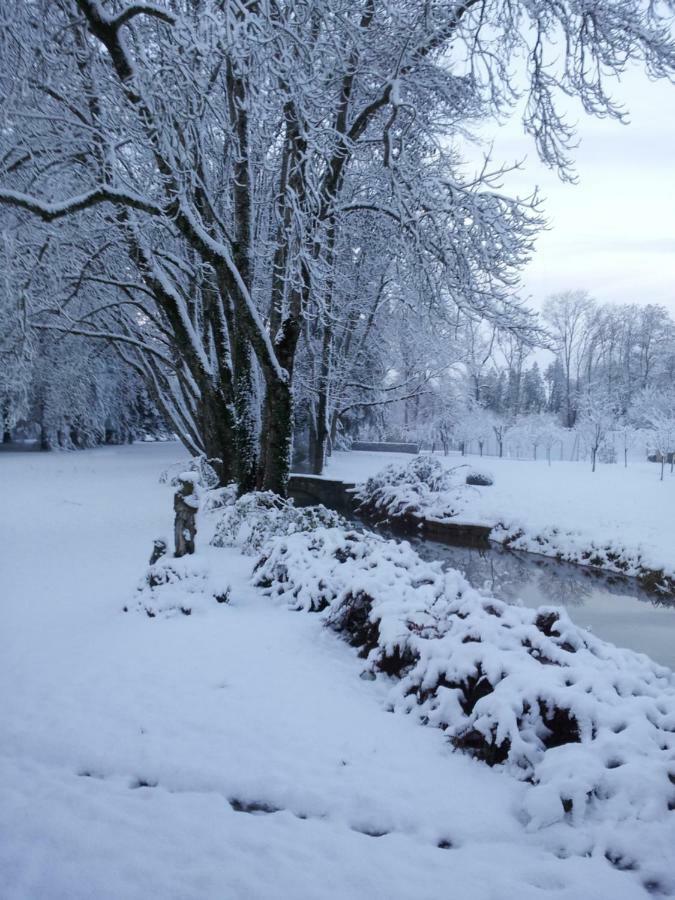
<point>422,488</point>
<point>591,726</point>
<point>173,586</point>
<point>479,478</point>
<point>255,518</point>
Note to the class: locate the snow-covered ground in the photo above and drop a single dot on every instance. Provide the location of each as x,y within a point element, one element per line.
<point>129,745</point>
<point>627,507</point>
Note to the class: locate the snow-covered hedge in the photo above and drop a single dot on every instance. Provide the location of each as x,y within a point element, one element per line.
<point>257,517</point>
<point>422,488</point>
<point>172,586</point>
<point>591,726</point>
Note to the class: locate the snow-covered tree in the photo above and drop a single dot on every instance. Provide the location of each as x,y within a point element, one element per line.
<point>203,173</point>
<point>655,410</point>
<point>596,421</point>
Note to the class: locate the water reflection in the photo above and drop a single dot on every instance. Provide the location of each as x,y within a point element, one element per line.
<point>614,608</point>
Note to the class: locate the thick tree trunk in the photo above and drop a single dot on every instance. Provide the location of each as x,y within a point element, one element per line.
<point>278,437</point>
<point>6,435</point>
<point>45,442</point>
<point>216,427</point>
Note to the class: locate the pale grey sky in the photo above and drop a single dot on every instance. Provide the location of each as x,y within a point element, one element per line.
<point>613,233</point>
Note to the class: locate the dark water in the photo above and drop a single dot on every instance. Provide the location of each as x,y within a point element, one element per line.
<point>615,609</point>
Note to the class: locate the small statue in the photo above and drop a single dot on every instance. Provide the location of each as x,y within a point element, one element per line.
<point>185,505</point>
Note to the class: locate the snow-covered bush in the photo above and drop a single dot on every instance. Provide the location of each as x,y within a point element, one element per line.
<point>422,488</point>
<point>479,478</point>
<point>591,726</point>
<point>256,517</point>
<point>219,498</point>
<point>208,478</point>
<point>173,586</point>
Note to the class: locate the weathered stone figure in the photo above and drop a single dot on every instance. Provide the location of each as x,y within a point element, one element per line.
<point>185,505</point>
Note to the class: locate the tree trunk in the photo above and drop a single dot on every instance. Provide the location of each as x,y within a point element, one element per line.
<point>278,437</point>
<point>332,438</point>
<point>6,430</point>
<point>245,437</point>
<point>318,460</point>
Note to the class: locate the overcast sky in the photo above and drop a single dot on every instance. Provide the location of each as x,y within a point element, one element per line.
<point>613,233</point>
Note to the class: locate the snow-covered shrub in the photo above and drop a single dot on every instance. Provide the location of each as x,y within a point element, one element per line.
<point>256,517</point>
<point>591,726</point>
<point>219,498</point>
<point>422,488</point>
<point>173,586</point>
<point>479,478</point>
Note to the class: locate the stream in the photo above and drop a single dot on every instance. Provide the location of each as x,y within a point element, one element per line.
<point>614,608</point>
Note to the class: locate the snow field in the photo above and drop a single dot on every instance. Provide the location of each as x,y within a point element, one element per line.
<point>129,743</point>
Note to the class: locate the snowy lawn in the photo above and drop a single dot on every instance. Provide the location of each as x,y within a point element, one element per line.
<point>130,745</point>
<point>628,507</point>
